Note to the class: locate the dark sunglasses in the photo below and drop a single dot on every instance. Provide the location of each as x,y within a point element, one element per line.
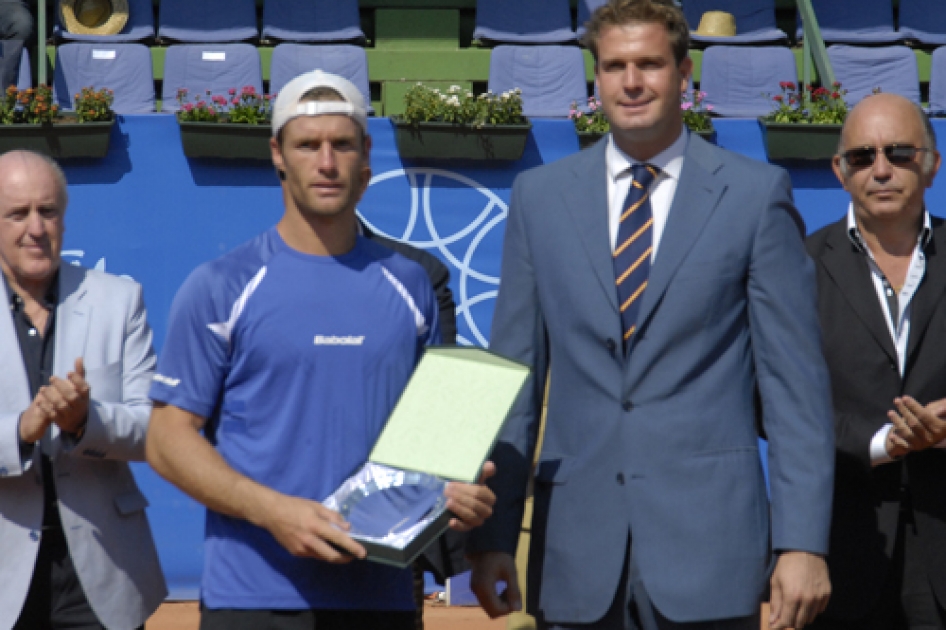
<point>897,154</point>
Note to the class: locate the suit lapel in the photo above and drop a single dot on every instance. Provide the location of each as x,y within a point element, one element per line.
<point>587,202</point>
<point>848,270</point>
<point>72,319</point>
<point>931,289</point>
<point>14,385</point>
<point>696,198</point>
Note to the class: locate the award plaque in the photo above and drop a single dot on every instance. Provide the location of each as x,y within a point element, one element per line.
<point>442,429</point>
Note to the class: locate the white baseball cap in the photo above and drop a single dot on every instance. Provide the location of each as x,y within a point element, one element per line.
<point>287,104</point>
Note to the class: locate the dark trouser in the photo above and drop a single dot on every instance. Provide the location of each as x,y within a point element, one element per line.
<point>16,21</point>
<point>907,601</point>
<point>56,600</point>
<point>633,610</point>
<point>418,574</point>
<point>228,619</point>
<point>10,52</point>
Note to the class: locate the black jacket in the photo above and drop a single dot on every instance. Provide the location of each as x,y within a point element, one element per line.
<point>865,379</point>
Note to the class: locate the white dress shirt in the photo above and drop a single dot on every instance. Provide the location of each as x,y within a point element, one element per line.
<point>670,163</point>
<point>898,324</point>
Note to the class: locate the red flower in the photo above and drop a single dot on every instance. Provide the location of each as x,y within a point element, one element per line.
<point>836,84</point>
<point>787,85</point>
<point>778,97</point>
<point>835,95</point>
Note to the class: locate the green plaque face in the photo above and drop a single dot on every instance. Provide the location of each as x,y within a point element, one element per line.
<point>450,415</point>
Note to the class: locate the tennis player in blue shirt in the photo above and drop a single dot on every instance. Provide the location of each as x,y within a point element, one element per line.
<point>289,353</point>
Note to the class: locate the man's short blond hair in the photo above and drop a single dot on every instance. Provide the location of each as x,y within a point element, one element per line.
<point>625,12</point>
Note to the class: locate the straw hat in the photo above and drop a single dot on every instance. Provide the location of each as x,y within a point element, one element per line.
<point>716,24</point>
<point>94,17</point>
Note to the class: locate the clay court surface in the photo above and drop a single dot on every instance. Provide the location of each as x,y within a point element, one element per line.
<point>184,616</point>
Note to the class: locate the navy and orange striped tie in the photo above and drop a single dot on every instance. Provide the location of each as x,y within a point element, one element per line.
<point>634,246</point>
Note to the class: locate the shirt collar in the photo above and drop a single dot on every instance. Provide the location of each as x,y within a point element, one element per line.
<point>50,300</point>
<point>853,233</point>
<point>669,161</point>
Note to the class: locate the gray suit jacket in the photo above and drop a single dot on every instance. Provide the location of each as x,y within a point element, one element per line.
<point>662,447</point>
<point>102,319</point>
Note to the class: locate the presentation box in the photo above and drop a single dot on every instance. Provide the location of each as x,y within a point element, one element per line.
<point>442,429</point>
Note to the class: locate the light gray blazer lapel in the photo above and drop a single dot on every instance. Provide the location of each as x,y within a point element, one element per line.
<point>14,385</point>
<point>72,319</point>
<point>587,203</point>
<point>697,196</point>
<point>72,331</point>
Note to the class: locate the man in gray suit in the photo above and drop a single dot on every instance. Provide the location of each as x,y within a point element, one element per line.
<point>75,544</point>
<point>665,283</point>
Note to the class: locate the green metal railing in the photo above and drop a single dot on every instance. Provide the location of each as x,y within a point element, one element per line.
<point>814,50</point>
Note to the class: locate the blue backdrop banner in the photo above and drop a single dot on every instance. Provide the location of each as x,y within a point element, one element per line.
<point>148,212</point>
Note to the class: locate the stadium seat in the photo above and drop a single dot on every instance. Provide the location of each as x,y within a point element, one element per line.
<point>550,77</point>
<point>861,69</point>
<point>139,27</point>
<point>312,21</point>
<point>924,21</point>
<point>207,20</point>
<point>214,67</point>
<point>123,68</point>
<point>524,21</point>
<point>291,60</point>
<point>755,21</point>
<point>585,9</point>
<point>855,21</point>
<point>938,82</point>
<point>740,80</point>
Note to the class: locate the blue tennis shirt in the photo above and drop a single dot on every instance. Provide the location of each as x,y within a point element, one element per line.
<point>296,361</point>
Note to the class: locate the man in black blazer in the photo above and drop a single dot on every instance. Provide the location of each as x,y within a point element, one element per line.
<point>882,302</point>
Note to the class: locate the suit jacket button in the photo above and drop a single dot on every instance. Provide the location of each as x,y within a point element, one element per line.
<point>620,479</point>
<point>611,345</point>
<point>627,406</point>
<point>34,535</point>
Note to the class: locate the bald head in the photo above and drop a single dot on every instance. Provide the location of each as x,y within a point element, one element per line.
<point>885,109</point>
<point>19,163</point>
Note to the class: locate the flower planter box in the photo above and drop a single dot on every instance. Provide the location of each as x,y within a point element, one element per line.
<point>786,141</point>
<point>61,140</point>
<point>226,140</point>
<point>446,141</point>
<point>589,138</point>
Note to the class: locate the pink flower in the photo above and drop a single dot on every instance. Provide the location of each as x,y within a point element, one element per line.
<point>235,101</point>
<point>709,108</point>
<point>249,89</point>
<point>232,91</point>
<point>201,104</point>
<point>269,97</point>
<point>686,105</point>
<point>188,107</point>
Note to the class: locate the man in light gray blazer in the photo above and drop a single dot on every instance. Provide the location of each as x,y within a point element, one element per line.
<point>75,547</point>
<point>650,503</point>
